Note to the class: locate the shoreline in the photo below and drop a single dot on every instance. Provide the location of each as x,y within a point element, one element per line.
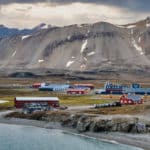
<point>136,140</point>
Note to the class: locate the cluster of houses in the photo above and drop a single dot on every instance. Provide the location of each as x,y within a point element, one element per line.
<point>75,89</point>
<point>110,88</point>
<point>130,95</point>
<point>45,103</point>
<point>32,104</point>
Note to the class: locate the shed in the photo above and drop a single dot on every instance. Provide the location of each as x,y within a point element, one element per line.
<point>131,99</point>
<point>37,85</point>
<point>21,101</point>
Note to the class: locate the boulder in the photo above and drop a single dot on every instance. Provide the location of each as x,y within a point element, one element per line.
<point>100,125</point>
<point>83,123</point>
<point>123,124</point>
<point>138,128</point>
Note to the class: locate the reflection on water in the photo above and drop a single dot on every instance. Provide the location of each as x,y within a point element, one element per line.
<point>14,137</point>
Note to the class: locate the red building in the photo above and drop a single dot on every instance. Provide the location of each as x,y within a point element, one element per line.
<point>21,101</point>
<point>37,85</point>
<point>77,91</point>
<point>90,86</point>
<point>131,99</point>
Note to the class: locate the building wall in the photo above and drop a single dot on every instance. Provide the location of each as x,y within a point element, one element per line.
<point>76,92</point>
<point>20,104</point>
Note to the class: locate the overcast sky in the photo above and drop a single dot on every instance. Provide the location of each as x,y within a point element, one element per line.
<point>29,13</point>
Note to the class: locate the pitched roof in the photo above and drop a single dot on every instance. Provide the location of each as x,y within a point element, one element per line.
<point>134,97</point>
<point>37,99</point>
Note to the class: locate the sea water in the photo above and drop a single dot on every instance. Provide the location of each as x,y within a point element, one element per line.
<point>15,137</point>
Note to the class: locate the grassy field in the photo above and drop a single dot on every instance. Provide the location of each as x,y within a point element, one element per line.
<point>67,100</point>
<point>82,100</point>
<point>7,105</point>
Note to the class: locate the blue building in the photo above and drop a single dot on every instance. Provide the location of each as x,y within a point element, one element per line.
<point>54,87</point>
<point>137,89</point>
<point>110,88</point>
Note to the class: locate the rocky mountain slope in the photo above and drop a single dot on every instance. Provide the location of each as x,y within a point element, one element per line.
<point>99,46</point>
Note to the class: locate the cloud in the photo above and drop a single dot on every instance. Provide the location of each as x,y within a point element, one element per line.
<point>133,5</point>
<point>29,14</point>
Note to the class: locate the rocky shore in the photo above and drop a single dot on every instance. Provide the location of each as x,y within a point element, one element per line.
<point>100,123</point>
<point>131,130</point>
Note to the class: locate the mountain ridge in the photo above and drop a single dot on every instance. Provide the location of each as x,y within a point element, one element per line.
<point>98,46</point>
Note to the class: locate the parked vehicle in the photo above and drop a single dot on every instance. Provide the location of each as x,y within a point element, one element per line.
<point>114,104</point>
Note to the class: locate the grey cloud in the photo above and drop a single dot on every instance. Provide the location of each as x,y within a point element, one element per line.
<point>134,5</point>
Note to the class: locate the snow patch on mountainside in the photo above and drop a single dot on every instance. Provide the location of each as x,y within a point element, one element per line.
<point>40,60</point>
<point>25,37</point>
<point>85,58</point>
<point>45,26</point>
<point>127,27</point>
<point>131,26</point>
<point>14,53</point>
<point>139,40</point>
<point>120,26</point>
<point>137,47</point>
<point>69,63</point>
<point>84,45</point>
<point>91,53</point>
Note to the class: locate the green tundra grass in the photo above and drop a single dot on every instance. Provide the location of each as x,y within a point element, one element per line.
<point>67,100</point>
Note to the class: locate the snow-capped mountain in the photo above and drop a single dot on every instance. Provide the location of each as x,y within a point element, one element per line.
<point>98,46</point>
<point>8,32</point>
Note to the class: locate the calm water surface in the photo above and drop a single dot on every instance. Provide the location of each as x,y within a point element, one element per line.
<point>13,137</point>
